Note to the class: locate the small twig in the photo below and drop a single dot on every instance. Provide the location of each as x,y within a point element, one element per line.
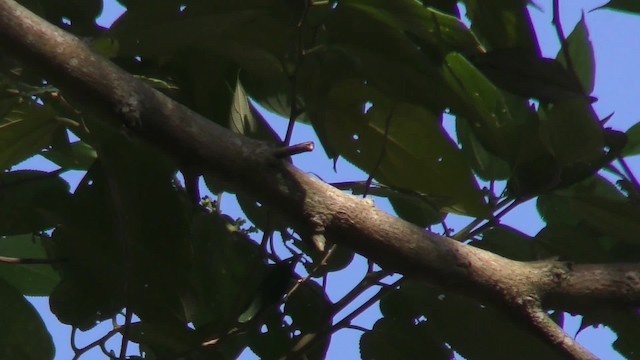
<point>287,151</point>
<point>310,340</point>
<point>369,280</point>
<point>357,327</point>
<point>495,220</point>
<point>29,261</point>
<point>128,315</point>
<point>464,233</point>
<point>383,151</point>
<point>99,342</point>
<point>322,263</point>
<point>557,23</point>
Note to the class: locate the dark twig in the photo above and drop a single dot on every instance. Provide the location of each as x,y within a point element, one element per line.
<point>310,340</point>
<point>287,151</point>
<point>468,231</point>
<point>29,261</point>
<point>564,45</point>
<point>99,342</point>
<point>322,263</point>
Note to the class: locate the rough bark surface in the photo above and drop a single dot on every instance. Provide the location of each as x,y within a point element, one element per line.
<point>313,207</point>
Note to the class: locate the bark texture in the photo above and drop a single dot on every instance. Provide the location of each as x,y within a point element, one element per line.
<point>314,208</point>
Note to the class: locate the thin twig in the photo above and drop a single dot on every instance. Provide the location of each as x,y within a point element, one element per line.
<point>80,351</point>
<point>322,263</point>
<point>29,261</point>
<point>496,219</point>
<point>564,45</point>
<point>310,340</point>
<point>467,230</point>
<point>128,315</point>
<point>287,151</point>
<point>368,281</point>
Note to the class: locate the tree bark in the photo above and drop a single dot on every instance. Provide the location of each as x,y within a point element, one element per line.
<point>315,209</point>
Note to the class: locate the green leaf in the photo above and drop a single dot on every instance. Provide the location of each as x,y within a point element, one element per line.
<point>616,219</point>
<point>575,243</point>
<point>630,6</point>
<point>417,208</point>
<point>530,76</point>
<point>508,242</point>
<point>227,271</point>
<point>403,145</point>
<point>485,165</point>
<point>246,120</point>
<point>271,289</point>
<point>30,279</point>
<point>437,32</point>
<point>163,337</point>
<point>23,334</point>
<point>633,144</point>
<point>24,132</point>
<point>581,54</point>
<point>482,104</point>
<point>31,201</point>
<point>487,330</point>
<point>502,24</point>
<point>135,220</point>
<point>78,156</point>
<point>556,207</point>
<point>391,339</point>
<point>571,132</point>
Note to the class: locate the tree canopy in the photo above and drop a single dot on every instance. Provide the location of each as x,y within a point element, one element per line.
<point>168,96</point>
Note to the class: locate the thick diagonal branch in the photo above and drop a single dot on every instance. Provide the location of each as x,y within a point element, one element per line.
<point>313,207</point>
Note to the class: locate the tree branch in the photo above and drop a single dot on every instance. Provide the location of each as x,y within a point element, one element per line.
<point>313,207</point>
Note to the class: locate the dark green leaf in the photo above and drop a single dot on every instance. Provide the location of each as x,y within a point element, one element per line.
<point>503,24</point>
<point>532,77</point>
<point>403,145</point>
<point>79,156</point>
<point>420,209</point>
<point>271,289</point>
<point>485,164</point>
<point>163,337</point>
<point>24,132</point>
<point>581,54</point>
<point>508,242</point>
<point>135,220</point>
<point>487,331</point>
<point>633,144</point>
<point>630,6</point>
<point>23,334</point>
<point>31,279</point>
<point>31,201</point>
<point>391,340</point>
<point>482,104</point>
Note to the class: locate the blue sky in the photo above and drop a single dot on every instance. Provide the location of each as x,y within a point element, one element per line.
<point>617,49</point>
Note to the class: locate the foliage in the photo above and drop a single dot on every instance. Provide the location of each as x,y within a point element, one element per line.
<point>376,80</point>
